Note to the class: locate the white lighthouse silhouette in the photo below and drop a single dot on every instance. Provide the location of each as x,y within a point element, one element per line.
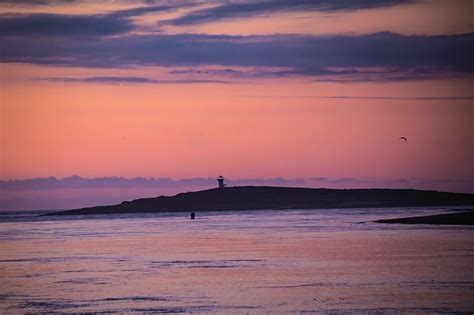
<point>220,181</point>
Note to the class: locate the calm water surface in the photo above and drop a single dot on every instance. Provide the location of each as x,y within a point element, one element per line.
<point>260,262</point>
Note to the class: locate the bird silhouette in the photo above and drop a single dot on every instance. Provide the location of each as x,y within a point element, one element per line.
<point>403,138</point>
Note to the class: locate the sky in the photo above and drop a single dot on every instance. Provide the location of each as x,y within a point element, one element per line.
<point>103,101</point>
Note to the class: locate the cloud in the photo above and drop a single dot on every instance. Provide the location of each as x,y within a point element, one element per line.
<point>261,73</point>
<point>116,22</point>
<point>221,72</point>
<point>147,9</point>
<point>236,10</point>
<point>397,98</point>
<point>343,57</point>
<point>82,182</point>
<point>333,75</point>
<point>342,180</point>
<point>76,182</point>
<point>122,182</point>
<point>62,25</point>
<point>12,3</point>
<point>274,181</point>
<point>389,74</point>
<point>108,79</point>
<point>441,184</point>
<point>124,80</point>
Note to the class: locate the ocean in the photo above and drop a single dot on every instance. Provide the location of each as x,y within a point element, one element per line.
<point>333,261</point>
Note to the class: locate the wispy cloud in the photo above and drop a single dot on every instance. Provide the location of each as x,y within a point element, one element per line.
<point>333,75</point>
<point>150,9</point>
<point>12,3</point>
<point>124,80</point>
<point>397,98</point>
<point>113,181</point>
<point>220,72</point>
<point>239,10</point>
<point>409,182</point>
<point>123,182</point>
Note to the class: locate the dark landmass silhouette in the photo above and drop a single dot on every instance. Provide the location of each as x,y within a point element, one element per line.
<point>267,197</point>
<point>460,218</point>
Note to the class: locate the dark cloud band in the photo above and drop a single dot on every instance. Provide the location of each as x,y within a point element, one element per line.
<point>234,10</point>
<point>116,22</point>
<point>61,25</point>
<point>410,56</point>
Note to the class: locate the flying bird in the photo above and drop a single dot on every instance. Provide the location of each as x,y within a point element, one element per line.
<point>403,138</point>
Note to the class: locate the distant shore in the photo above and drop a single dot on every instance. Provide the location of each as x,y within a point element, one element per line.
<point>460,218</point>
<point>280,198</point>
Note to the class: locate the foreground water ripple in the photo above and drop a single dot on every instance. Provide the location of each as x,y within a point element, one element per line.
<point>333,261</point>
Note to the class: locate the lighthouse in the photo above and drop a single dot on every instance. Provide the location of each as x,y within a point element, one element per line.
<point>220,181</point>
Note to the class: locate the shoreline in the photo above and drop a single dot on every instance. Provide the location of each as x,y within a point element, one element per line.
<point>458,218</point>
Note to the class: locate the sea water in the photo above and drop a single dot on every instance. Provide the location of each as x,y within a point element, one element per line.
<point>246,262</point>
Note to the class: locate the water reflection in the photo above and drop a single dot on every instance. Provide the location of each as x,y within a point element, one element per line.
<point>246,262</point>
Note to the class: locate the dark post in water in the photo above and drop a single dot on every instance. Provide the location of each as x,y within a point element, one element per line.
<point>192,215</point>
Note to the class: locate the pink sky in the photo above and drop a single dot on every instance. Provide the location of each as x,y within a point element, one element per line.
<point>198,113</point>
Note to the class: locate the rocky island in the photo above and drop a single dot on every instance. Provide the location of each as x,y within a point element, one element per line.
<point>266,197</point>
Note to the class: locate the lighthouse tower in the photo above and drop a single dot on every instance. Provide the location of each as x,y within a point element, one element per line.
<point>220,181</point>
